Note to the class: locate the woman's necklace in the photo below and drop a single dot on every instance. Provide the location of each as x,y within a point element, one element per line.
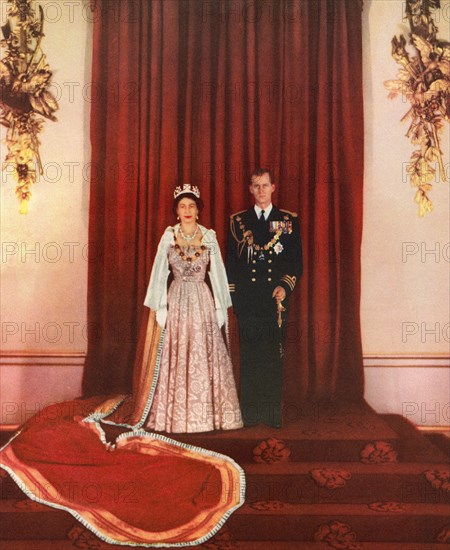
<point>185,257</point>
<point>188,238</point>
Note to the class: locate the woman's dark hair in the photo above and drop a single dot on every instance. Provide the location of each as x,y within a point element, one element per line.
<point>197,201</point>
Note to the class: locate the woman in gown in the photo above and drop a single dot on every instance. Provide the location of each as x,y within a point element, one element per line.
<point>183,377</point>
<point>150,490</point>
<point>196,391</point>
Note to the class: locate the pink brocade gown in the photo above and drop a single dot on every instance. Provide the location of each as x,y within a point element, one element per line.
<point>196,391</point>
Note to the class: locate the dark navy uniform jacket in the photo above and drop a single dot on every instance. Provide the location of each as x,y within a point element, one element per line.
<point>261,256</point>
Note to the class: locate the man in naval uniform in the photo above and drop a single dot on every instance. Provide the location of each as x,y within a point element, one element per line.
<point>264,263</point>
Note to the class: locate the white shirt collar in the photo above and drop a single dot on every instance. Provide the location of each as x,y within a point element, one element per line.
<point>267,211</point>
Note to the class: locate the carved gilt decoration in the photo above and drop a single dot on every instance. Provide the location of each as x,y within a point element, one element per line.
<point>25,97</point>
<point>424,81</point>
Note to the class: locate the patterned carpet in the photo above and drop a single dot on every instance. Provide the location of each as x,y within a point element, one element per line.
<point>336,477</point>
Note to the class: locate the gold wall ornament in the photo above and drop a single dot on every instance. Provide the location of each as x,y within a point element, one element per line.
<point>25,79</point>
<point>424,80</point>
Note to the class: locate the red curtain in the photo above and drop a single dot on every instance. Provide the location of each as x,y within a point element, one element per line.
<point>202,92</point>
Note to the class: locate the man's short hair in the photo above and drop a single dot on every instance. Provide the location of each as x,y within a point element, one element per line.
<point>260,172</point>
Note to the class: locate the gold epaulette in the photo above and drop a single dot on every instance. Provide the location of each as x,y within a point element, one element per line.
<point>293,214</point>
<point>236,213</point>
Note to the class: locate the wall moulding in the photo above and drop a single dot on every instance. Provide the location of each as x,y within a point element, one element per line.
<point>409,361</point>
<point>30,359</point>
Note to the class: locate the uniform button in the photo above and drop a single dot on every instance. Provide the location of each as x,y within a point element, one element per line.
<point>253,270</point>
<point>254,261</point>
<point>269,279</point>
<point>269,270</point>
<point>271,252</point>
<point>270,261</point>
<point>253,279</point>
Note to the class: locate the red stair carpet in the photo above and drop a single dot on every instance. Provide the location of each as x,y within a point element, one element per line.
<point>339,476</point>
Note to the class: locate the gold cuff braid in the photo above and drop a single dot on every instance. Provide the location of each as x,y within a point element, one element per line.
<point>290,280</point>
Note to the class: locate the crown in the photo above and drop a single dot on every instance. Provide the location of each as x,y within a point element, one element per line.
<point>187,188</point>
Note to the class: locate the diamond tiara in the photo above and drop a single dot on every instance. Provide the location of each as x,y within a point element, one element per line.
<point>187,188</point>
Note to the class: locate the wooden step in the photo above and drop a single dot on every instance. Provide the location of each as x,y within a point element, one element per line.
<point>299,522</point>
<point>271,521</point>
<point>97,544</point>
<point>339,439</point>
<point>439,440</point>
<point>413,443</point>
<point>347,482</point>
<point>306,482</point>
<point>322,435</point>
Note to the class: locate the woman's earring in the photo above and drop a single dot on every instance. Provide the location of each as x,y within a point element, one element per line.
<point>197,217</point>
<point>178,217</point>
